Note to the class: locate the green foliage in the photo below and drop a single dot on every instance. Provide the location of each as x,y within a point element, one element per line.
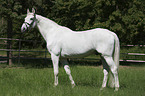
<point>124,17</point>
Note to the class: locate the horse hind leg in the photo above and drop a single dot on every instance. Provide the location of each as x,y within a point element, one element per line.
<point>68,71</point>
<point>114,71</point>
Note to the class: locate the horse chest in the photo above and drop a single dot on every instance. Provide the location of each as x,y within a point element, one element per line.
<point>54,47</point>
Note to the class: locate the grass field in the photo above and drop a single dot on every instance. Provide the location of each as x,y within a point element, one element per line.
<point>22,81</point>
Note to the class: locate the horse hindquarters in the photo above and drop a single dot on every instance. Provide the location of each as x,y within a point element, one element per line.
<point>112,46</point>
<point>116,54</point>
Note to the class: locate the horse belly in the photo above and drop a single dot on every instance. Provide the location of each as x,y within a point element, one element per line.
<point>76,54</point>
<point>76,49</point>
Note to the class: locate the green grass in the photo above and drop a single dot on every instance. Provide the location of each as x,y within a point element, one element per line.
<point>39,82</point>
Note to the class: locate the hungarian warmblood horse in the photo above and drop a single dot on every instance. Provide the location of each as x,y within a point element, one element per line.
<point>63,42</point>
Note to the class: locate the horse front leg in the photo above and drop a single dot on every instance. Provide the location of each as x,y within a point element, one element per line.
<point>105,71</point>
<point>68,71</point>
<point>55,61</point>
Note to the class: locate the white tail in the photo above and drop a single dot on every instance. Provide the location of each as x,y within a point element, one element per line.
<point>117,51</point>
<point>116,60</point>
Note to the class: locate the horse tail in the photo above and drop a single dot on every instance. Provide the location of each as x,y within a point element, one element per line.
<point>116,51</point>
<point>116,59</point>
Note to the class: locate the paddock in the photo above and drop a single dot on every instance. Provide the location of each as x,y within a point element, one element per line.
<point>28,66</point>
<point>23,81</point>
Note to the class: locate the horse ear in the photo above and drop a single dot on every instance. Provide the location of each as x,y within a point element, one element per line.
<point>28,11</point>
<point>33,10</point>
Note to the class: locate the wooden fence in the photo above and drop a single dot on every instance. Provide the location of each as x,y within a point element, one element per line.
<point>3,60</point>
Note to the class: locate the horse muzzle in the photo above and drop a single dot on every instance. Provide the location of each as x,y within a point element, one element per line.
<point>24,28</point>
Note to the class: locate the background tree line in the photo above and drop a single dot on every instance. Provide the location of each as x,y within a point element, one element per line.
<point>124,17</point>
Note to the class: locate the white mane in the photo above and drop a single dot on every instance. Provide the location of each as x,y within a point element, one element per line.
<point>45,19</point>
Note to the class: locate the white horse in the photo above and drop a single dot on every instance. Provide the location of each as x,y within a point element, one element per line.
<point>65,43</point>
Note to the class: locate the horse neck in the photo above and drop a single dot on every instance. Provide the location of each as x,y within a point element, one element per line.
<point>46,26</point>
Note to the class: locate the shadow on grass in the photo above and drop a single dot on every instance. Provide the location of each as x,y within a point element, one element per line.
<point>135,64</point>
<point>34,62</point>
<point>30,62</point>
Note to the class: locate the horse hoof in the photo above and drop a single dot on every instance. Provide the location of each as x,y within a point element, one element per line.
<point>116,89</point>
<point>73,85</point>
<point>102,88</point>
<point>55,84</point>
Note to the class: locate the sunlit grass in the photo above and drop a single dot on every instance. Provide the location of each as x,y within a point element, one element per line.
<point>39,82</point>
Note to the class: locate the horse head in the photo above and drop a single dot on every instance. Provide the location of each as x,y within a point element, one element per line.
<point>30,21</point>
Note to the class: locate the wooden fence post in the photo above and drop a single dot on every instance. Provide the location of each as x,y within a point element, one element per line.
<point>9,42</point>
<point>19,51</point>
<point>9,53</point>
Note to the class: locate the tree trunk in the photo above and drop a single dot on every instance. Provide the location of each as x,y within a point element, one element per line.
<point>9,42</point>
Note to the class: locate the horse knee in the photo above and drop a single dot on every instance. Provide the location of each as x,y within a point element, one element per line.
<point>56,72</point>
<point>105,72</point>
<point>67,69</point>
<point>114,70</point>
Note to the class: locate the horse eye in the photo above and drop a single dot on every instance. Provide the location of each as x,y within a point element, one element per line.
<point>31,18</point>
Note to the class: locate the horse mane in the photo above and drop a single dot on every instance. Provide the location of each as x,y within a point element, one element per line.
<point>46,19</point>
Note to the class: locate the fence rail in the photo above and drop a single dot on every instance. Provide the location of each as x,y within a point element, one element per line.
<point>45,51</point>
<point>140,54</point>
<point>14,50</point>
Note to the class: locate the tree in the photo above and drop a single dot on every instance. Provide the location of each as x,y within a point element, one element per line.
<point>9,10</point>
<point>124,17</point>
